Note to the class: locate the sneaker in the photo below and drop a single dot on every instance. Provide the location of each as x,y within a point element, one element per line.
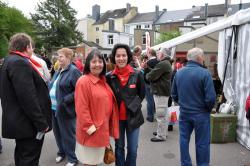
<point>71,164</point>
<point>150,119</point>
<point>158,139</point>
<point>59,159</point>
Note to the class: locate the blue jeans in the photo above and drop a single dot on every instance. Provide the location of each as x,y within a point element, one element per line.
<point>132,145</point>
<point>65,131</point>
<point>200,123</point>
<point>150,103</point>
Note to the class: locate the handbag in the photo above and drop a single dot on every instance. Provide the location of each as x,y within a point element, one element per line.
<point>109,156</point>
<point>135,104</point>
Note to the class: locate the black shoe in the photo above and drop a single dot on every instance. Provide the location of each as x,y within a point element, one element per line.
<point>155,133</point>
<point>150,119</point>
<point>170,127</point>
<point>156,139</point>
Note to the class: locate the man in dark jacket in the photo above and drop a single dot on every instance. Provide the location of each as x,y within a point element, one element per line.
<point>149,65</point>
<point>193,90</point>
<point>160,81</point>
<point>25,102</point>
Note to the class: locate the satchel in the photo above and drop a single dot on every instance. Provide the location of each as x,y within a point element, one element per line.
<point>109,156</point>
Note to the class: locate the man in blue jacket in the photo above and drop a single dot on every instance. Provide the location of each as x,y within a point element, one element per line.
<point>193,90</point>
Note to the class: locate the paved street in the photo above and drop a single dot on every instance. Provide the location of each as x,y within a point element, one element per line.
<point>149,153</point>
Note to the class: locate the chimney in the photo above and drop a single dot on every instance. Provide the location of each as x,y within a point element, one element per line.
<point>128,7</point>
<point>227,4</point>
<point>206,9</point>
<point>111,24</point>
<point>157,13</point>
<point>96,12</point>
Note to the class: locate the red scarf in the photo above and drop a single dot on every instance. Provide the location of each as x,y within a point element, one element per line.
<point>33,63</point>
<point>123,74</point>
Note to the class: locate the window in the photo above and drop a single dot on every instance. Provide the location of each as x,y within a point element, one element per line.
<point>110,39</point>
<point>144,39</point>
<point>157,27</point>
<point>97,29</point>
<point>138,26</point>
<point>97,41</point>
<point>146,26</point>
<point>130,41</point>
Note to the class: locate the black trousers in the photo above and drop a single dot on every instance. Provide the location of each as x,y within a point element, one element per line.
<point>28,151</point>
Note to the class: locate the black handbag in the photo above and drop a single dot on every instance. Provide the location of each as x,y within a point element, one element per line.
<point>135,104</point>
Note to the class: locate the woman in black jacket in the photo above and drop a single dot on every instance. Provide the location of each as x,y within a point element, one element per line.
<point>129,88</point>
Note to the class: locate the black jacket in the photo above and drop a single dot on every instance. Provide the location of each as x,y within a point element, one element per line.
<point>131,95</point>
<point>25,99</point>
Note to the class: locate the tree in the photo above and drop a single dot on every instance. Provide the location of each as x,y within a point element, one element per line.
<point>56,24</point>
<point>165,36</point>
<point>12,21</point>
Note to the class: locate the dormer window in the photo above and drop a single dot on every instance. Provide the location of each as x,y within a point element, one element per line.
<point>138,26</point>
<point>110,39</point>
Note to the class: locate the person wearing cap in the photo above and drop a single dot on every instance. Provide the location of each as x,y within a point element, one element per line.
<point>160,81</point>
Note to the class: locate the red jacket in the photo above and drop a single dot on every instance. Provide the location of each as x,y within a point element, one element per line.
<point>247,107</point>
<point>92,104</point>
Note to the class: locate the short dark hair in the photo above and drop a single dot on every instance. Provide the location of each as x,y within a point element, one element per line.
<point>117,46</point>
<point>152,52</point>
<point>94,52</point>
<point>19,42</point>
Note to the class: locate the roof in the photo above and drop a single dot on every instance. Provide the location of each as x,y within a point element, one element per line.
<point>175,16</point>
<point>144,17</point>
<point>92,44</point>
<point>196,14</point>
<point>117,13</point>
<point>241,17</point>
<point>236,7</point>
<point>215,11</point>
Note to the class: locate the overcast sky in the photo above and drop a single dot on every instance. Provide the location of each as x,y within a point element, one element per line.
<point>84,7</point>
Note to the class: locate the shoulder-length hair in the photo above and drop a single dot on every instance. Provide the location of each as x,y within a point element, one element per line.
<point>117,46</point>
<point>93,53</point>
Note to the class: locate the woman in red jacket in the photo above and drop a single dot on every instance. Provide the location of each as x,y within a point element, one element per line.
<point>96,110</point>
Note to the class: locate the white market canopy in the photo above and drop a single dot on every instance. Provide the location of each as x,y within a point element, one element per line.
<point>241,17</point>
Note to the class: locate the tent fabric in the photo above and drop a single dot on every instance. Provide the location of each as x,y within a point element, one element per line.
<point>237,80</point>
<point>241,17</point>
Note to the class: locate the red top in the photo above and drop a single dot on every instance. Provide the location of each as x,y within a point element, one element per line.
<point>247,103</point>
<point>79,65</point>
<point>123,76</point>
<point>95,105</point>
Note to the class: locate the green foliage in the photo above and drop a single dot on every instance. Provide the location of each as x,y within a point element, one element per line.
<point>165,36</point>
<point>56,24</point>
<point>11,21</point>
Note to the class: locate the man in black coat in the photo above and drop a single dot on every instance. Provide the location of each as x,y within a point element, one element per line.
<point>25,102</point>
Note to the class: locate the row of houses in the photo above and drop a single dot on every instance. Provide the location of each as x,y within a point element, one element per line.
<point>127,25</point>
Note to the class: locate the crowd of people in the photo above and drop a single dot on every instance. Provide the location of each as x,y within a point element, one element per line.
<point>86,104</point>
